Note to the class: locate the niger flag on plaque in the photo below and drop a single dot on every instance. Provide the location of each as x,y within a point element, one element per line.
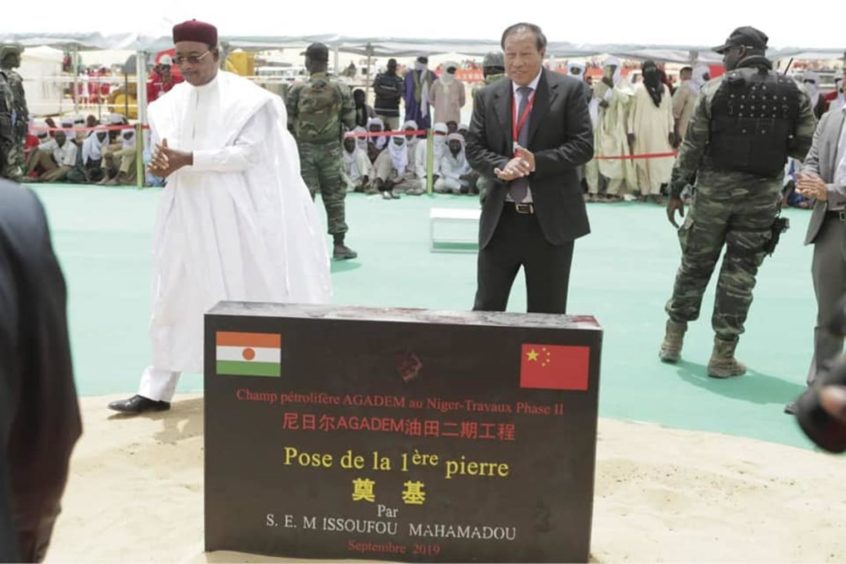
<point>249,354</point>
<point>554,367</point>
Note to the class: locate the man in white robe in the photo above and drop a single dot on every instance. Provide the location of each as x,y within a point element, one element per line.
<point>651,131</point>
<point>609,109</point>
<point>414,144</point>
<point>455,171</point>
<point>421,155</point>
<point>394,170</point>
<point>357,170</point>
<point>693,79</point>
<point>447,95</point>
<point>235,220</point>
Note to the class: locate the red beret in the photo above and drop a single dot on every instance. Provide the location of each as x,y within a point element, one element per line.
<point>193,30</point>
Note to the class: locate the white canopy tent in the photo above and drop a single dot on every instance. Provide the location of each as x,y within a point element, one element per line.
<point>40,67</point>
<point>400,47</point>
<point>370,47</point>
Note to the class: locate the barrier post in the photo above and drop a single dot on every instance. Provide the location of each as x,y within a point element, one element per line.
<point>139,155</point>
<point>369,50</point>
<point>430,160</point>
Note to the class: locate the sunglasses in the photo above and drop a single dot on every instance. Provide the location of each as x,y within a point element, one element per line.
<point>193,59</point>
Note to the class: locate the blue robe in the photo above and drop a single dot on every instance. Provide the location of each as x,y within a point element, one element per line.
<point>414,109</point>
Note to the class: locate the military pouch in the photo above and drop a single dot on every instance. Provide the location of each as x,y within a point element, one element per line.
<point>779,226</point>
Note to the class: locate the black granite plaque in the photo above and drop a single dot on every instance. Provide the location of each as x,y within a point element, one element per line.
<point>406,435</point>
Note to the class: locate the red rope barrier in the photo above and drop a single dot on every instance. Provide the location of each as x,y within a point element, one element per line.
<point>385,133</point>
<point>635,157</point>
<point>74,129</point>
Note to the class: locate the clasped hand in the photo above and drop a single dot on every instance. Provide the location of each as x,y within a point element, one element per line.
<point>811,186</point>
<point>166,161</point>
<point>522,164</point>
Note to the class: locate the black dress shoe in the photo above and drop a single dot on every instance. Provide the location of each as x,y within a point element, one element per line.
<point>139,404</point>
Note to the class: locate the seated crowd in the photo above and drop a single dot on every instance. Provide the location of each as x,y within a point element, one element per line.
<point>393,164</point>
<point>632,114</point>
<point>82,151</point>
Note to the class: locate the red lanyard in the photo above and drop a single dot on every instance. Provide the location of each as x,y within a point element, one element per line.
<point>517,124</point>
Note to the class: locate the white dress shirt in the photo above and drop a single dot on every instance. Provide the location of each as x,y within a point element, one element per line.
<point>517,99</point>
<point>834,200</point>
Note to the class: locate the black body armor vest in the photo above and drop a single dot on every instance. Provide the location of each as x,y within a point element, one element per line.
<point>753,118</point>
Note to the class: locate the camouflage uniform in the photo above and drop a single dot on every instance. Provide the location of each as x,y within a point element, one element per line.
<point>19,108</point>
<point>318,111</point>
<point>493,60</point>
<point>730,208</point>
<point>9,167</point>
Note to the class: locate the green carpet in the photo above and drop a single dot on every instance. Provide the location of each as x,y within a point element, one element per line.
<point>622,273</point>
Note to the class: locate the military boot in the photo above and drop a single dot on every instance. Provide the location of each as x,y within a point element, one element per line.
<point>672,345</point>
<point>722,363</point>
<point>341,251</point>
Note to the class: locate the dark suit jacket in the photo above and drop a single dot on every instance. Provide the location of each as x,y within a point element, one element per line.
<point>39,414</point>
<point>822,160</point>
<point>561,138</point>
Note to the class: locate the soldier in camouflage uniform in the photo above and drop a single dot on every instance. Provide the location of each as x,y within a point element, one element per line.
<point>9,167</point>
<point>744,126</point>
<point>493,67</point>
<point>10,59</point>
<point>319,111</point>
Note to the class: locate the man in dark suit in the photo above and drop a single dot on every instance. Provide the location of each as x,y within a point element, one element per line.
<point>39,413</point>
<point>823,177</point>
<point>527,136</point>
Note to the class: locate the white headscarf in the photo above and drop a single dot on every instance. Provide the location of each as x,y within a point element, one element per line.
<point>461,157</point>
<point>380,142</point>
<point>127,143</point>
<point>813,88</point>
<point>618,73</point>
<point>351,160</point>
<point>697,78</point>
<point>92,147</point>
<point>422,68</point>
<point>840,101</point>
<point>576,65</point>
<point>412,143</point>
<point>446,78</point>
<point>349,157</point>
<point>360,142</point>
<point>399,153</point>
<point>593,110</point>
<point>439,141</point>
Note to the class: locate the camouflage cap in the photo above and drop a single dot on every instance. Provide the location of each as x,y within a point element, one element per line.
<point>317,52</point>
<point>745,36</point>
<point>493,59</point>
<point>7,48</point>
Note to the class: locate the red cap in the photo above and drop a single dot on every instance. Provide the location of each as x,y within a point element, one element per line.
<point>194,30</point>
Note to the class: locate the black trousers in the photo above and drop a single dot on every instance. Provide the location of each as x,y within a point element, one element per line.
<point>519,241</point>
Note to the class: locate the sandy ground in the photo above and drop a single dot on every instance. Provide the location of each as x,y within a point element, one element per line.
<point>136,495</point>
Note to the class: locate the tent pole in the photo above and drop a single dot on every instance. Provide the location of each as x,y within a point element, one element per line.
<point>141,79</point>
<point>367,84</point>
<point>125,94</point>
<point>141,100</point>
<point>430,161</point>
<point>337,61</point>
<point>75,67</point>
<point>139,156</point>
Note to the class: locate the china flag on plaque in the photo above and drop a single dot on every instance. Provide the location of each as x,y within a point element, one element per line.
<point>554,367</point>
